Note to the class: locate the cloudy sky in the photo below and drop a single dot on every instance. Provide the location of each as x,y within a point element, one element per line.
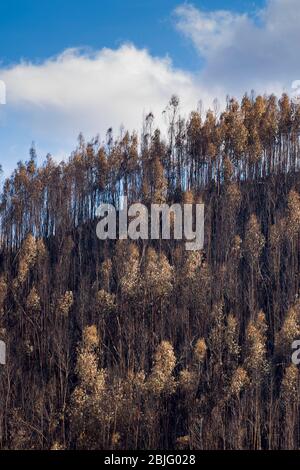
<point>72,66</point>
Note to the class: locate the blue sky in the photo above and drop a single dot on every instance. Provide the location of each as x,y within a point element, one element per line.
<point>72,66</point>
<point>34,29</point>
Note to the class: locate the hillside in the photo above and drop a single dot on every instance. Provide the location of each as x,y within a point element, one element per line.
<point>144,345</point>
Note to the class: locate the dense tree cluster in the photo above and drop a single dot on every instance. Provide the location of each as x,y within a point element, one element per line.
<point>144,345</point>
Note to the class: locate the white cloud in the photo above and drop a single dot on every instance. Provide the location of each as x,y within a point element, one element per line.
<point>242,51</point>
<point>89,92</point>
<point>210,31</point>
